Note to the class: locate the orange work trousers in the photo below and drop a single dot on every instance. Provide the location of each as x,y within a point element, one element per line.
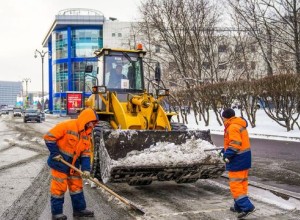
<point>238,183</point>
<point>59,184</point>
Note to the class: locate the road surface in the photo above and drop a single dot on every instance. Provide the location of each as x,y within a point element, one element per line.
<point>24,178</point>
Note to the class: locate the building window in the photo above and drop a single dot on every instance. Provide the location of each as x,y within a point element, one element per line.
<point>113,34</point>
<point>252,48</point>
<point>206,48</point>
<point>60,45</point>
<point>222,48</point>
<point>78,69</point>
<point>222,66</point>
<point>61,77</point>
<point>85,42</point>
<point>172,66</point>
<point>253,65</point>
<point>239,65</point>
<point>119,34</point>
<point>239,48</point>
<point>190,48</point>
<point>206,65</point>
<point>157,48</point>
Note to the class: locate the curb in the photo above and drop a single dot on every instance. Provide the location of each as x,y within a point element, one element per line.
<point>264,136</point>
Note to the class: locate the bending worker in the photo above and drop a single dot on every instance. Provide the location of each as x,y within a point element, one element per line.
<point>70,140</point>
<point>238,153</point>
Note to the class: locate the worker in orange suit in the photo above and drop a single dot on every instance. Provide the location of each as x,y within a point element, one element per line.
<point>70,140</point>
<point>237,154</point>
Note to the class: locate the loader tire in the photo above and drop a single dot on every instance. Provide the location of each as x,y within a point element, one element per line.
<point>102,125</point>
<point>178,126</point>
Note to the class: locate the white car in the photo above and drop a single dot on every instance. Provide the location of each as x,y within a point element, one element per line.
<point>17,112</point>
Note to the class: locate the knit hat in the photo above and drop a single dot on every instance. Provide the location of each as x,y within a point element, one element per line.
<point>228,113</point>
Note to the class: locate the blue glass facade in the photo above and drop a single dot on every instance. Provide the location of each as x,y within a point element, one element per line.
<point>71,44</point>
<point>72,49</point>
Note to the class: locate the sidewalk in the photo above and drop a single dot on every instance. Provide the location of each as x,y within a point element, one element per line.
<point>265,128</point>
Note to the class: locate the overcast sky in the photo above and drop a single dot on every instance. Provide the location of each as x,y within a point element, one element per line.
<point>24,24</point>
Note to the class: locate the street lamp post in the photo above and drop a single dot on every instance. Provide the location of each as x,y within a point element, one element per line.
<point>42,55</point>
<point>60,101</point>
<point>26,80</point>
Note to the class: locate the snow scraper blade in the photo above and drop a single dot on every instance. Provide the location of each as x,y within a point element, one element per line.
<point>139,157</point>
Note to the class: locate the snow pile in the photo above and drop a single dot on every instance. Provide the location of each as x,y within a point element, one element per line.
<point>169,154</point>
<point>115,134</point>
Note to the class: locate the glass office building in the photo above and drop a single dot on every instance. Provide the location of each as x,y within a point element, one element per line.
<point>74,36</point>
<point>9,91</point>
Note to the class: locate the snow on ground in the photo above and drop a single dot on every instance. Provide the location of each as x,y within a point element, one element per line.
<point>266,128</point>
<point>14,155</point>
<point>271,198</point>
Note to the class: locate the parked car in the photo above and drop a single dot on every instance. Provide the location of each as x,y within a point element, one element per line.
<point>32,115</point>
<point>4,111</point>
<point>17,112</point>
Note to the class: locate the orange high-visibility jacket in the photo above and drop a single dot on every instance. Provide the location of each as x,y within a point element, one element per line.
<point>237,144</point>
<point>72,141</point>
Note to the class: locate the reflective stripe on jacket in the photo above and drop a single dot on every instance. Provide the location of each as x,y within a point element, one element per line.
<point>72,141</point>
<point>237,144</point>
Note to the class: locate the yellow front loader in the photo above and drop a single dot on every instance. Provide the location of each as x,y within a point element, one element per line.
<point>135,140</point>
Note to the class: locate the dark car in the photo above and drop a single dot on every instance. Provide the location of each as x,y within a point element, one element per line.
<point>32,115</point>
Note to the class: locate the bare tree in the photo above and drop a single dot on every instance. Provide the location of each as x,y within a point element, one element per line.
<point>180,27</point>
<point>275,25</point>
<point>280,98</point>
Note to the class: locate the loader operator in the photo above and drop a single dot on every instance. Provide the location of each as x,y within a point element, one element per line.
<point>115,77</point>
<point>70,140</point>
<point>238,153</point>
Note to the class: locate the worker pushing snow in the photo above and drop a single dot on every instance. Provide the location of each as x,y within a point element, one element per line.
<point>70,140</point>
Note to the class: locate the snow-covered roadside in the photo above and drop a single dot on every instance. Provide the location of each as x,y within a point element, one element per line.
<point>265,128</point>
<point>21,161</point>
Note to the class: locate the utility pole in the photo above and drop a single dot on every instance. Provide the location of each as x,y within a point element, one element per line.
<point>26,80</point>
<point>42,55</point>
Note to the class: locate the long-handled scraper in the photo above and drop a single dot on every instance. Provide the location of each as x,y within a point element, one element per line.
<point>122,199</point>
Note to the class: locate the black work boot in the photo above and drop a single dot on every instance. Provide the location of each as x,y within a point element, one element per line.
<point>59,217</point>
<point>233,209</point>
<point>242,215</point>
<point>83,213</point>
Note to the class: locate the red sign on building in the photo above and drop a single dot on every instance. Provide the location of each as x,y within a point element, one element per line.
<point>74,102</point>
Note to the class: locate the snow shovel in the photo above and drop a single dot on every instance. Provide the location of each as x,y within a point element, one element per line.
<point>122,199</point>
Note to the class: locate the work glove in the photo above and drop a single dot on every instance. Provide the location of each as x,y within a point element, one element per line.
<point>221,154</point>
<point>226,160</point>
<point>86,174</point>
<point>57,158</point>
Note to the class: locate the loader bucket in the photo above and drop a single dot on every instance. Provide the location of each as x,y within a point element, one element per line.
<point>139,157</point>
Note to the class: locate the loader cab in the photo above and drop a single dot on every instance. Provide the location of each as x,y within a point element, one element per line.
<point>121,70</point>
